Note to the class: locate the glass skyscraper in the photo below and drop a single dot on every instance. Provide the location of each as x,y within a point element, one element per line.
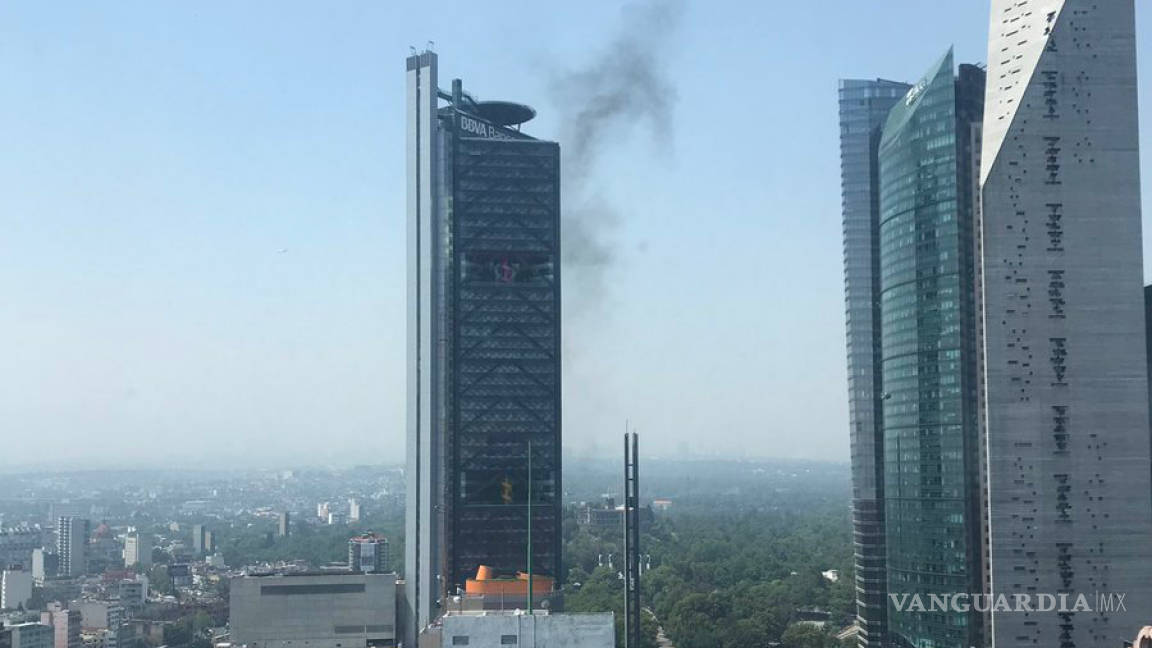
<point>928,165</point>
<point>483,343</point>
<point>864,106</point>
<point>909,167</point>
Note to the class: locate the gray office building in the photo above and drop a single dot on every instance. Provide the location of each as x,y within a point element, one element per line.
<point>1066,376</point>
<point>318,610</point>
<point>864,107</point>
<point>72,545</point>
<point>483,342</point>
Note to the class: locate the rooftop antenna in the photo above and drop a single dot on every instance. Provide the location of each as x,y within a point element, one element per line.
<point>412,50</point>
<point>431,46</point>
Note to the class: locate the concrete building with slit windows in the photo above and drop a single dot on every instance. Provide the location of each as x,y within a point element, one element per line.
<point>344,610</point>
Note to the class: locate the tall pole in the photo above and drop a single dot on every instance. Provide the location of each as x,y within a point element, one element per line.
<point>627,547</point>
<point>531,577</point>
<point>635,511</point>
<point>631,540</point>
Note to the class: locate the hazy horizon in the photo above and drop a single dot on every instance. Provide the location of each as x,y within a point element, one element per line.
<point>202,219</point>
<point>240,465</point>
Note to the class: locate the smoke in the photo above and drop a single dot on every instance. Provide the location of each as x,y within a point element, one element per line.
<point>624,86</point>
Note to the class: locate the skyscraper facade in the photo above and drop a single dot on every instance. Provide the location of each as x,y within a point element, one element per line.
<point>910,163</point>
<point>483,341</point>
<point>932,476</point>
<point>72,545</point>
<point>864,107</point>
<point>1066,379</point>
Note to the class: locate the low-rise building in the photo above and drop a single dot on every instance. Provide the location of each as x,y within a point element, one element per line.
<point>133,592</point>
<point>123,635</point>
<point>368,553</point>
<point>609,515</point>
<point>346,610</point>
<point>97,639</point>
<point>538,630</point>
<point>30,635</point>
<point>15,589</point>
<point>99,615</point>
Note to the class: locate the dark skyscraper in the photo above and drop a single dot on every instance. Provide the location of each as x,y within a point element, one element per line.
<point>864,106</point>
<point>483,341</point>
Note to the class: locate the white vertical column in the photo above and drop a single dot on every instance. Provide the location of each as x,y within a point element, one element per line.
<point>421,561</point>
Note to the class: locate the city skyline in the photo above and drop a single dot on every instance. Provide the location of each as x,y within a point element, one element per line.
<point>304,350</point>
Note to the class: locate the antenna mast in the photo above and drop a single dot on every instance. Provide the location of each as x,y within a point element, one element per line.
<point>631,540</point>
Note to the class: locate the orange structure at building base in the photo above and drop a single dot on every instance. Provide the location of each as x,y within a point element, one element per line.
<point>487,584</point>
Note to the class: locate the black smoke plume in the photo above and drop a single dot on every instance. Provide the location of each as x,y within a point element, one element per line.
<point>624,86</point>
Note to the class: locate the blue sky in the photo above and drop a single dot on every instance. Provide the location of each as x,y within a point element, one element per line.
<point>157,157</point>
